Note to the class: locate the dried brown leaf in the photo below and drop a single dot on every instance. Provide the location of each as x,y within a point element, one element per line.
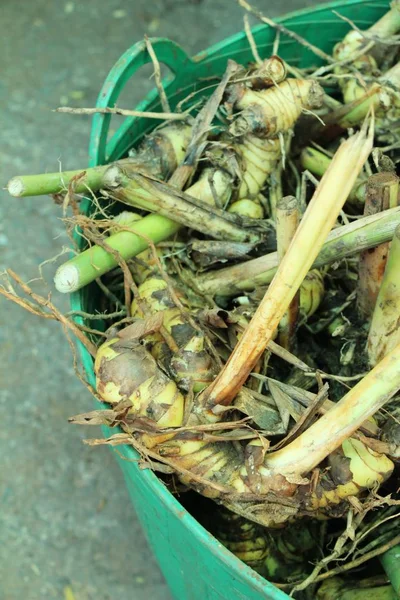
<point>94,417</point>
<point>213,317</point>
<point>142,327</point>
<point>306,418</point>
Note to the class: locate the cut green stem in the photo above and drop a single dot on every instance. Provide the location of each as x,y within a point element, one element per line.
<point>54,183</point>
<point>159,154</point>
<point>96,261</point>
<point>314,161</point>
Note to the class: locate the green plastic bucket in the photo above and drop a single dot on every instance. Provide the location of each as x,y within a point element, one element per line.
<point>195,565</point>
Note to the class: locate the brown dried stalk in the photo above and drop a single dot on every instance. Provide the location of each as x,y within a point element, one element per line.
<point>163,116</point>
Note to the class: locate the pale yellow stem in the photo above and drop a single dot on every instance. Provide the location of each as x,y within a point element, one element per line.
<point>318,220</point>
<point>339,423</point>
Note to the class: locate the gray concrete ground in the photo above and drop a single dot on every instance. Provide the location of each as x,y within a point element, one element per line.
<point>65,516</point>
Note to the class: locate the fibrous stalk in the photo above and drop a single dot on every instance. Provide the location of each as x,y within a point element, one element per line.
<point>384,332</point>
<point>318,219</point>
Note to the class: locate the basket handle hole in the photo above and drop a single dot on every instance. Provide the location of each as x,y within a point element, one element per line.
<point>136,89</point>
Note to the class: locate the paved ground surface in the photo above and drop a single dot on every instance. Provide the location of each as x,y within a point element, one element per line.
<point>65,516</point>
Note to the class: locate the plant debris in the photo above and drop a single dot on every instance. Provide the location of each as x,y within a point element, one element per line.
<point>245,324</point>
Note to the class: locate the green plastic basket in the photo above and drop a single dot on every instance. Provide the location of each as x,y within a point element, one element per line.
<point>195,565</point>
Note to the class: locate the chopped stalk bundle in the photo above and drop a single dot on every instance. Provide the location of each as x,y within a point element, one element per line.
<point>156,197</point>
<point>303,250</point>
<point>257,158</point>
<point>254,384</point>
<point>96,261</point>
